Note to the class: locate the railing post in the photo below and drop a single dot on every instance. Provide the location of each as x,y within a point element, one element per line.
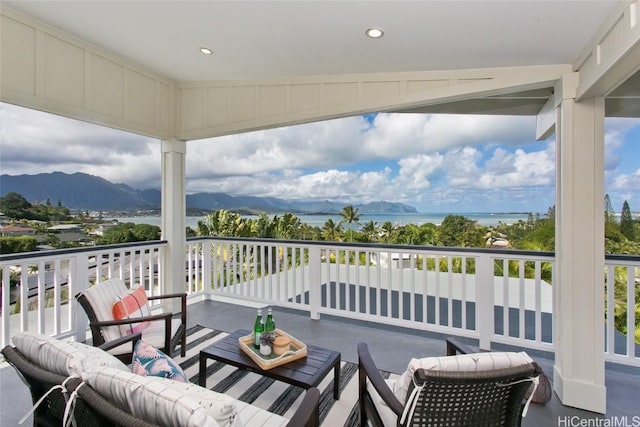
<point>79,276</point>
<point>314,282</point>
<point>207,284</point>
<point>484,300</point>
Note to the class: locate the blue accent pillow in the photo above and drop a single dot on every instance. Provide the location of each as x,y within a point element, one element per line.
<point>149,361</point>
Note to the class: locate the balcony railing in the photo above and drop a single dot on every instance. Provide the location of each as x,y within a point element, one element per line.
<point>501,296</point>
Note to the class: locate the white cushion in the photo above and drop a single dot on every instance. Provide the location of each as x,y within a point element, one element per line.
<point>253,416</point>
<point>152,399</point>
<point>220,407</point>
<point>474,362</point>
<point>63,357</point>
<point>101,297</point>
<point>387,416</point>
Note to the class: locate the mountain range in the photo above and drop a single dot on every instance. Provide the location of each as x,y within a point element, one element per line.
<point>80,191</point>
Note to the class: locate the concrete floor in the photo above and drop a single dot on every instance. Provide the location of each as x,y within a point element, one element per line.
<point>391,348</point>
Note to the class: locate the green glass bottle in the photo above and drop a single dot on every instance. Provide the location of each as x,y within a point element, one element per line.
<point>258,329</point>
<point>269,324</point>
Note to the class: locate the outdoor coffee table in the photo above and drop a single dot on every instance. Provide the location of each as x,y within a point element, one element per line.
<point>306,372</point>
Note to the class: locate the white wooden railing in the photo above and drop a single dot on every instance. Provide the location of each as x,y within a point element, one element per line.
<point>456,291</point>
<point>47,281</point>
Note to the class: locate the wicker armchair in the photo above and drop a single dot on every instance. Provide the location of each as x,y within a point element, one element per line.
<point>164,332</point>
<point>447,398</point>
<point>92,409</point>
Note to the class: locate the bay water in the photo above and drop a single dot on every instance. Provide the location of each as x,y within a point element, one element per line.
<point>486,219</point>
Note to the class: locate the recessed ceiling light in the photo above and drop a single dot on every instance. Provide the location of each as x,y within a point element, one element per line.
<point>374,33</point>
<point>206,51</point>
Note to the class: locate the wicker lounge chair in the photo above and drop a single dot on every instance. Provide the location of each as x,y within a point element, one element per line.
<point>447,398</point>
<point>93,409</point>
<point>164,332</point>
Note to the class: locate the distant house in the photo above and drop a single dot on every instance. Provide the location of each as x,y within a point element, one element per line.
<point>68,232</point>
<point>14,230</point>
<point>99,231</point>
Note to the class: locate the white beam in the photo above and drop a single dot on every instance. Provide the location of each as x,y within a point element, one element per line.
<point>214,108</point>
<point>173,216</point>
<point>578,287</point>
<point>546,119</point>
<point>612,55</point>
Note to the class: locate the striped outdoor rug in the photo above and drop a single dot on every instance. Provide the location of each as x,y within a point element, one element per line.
<point>266,393</point>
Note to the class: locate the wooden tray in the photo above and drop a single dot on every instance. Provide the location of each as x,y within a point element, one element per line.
<point>298,351</point>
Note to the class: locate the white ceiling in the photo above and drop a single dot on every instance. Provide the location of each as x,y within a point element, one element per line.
<point>266,39</point>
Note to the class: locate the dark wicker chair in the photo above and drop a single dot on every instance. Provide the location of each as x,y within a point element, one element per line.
<point>484,398</point>
<point>92,409</point>
<point>168,344</point>
<point>542,393</point>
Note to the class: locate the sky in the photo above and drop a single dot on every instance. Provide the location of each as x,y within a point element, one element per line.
<point>436,163</point>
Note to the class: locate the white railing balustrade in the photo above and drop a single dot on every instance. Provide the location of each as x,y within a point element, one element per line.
<point>459,291</point>
<point>42,285</point>
<point>622,308</point>
<point>492,295</point>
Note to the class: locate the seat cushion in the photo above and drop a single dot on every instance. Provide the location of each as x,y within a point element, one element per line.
<point>251,416</point>
<point>132,304</point>
<point>149,361</point>
<point>152,399</point>
<point>220,407</point>
<point>63,357</point>
<point>473,362</point>
<point>387,416</point>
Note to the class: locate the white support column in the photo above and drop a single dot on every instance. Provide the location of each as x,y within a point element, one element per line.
<point>579,270</point>
<point>173,217</point>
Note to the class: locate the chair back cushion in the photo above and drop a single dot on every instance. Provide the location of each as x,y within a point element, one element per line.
<point>63,357</point>
<point>131,305</point>
<point>102,297</point>
<point>152,399</point>
<point>473,362</point>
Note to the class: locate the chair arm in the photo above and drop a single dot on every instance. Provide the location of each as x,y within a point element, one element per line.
<point>33,372</point>
<point>133,338</point>
<point>183,303</point>
<point>176,295</point>
<point>162,316</point>
<point>456,347</point>
<point>307,414</point>
<point>367,366</point>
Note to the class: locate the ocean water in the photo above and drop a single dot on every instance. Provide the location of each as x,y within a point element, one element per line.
<point>486,219</point>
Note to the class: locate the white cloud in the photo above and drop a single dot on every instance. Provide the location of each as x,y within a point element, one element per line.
<point>399,135</point>
<point>36,142</point>
<point>627,182</point>
<point>502,170</point>
<point>434,162</point>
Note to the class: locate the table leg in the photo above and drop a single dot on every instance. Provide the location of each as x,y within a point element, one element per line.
<point>336,380</point>
<point>202,375</point>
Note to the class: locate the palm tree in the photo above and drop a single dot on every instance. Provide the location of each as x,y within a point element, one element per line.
<point>287,227</point>
<point>350,215</point>
<point>387,230</point>
<point>370,230</point>
<point>331,231</point>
